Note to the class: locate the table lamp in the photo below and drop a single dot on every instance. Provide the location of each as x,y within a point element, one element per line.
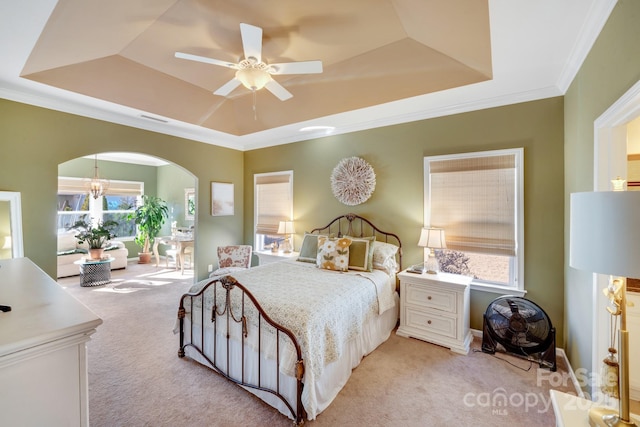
<point>432,238</point>
<point>286,228</point>
<point>605,239</point>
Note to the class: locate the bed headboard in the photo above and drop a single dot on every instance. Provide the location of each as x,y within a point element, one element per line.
<point>354,225</point>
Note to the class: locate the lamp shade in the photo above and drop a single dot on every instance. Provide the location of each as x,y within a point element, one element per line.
<point>432,238</point>
<point>605,232</point>
<point>286,227</point>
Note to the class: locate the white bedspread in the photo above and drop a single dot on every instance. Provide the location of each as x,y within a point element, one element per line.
<point>324,309</point>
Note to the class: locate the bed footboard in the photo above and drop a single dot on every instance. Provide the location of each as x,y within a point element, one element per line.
<point>227,308</point>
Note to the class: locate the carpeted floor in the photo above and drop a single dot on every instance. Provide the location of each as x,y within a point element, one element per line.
<point>137,379</point>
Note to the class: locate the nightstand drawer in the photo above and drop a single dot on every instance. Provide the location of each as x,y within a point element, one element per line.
<point>430,322</point>
<point>430,297</point>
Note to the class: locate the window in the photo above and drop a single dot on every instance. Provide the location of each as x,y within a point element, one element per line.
<point>74,203</point>
<point>477,198</point>
<point>273,193</point>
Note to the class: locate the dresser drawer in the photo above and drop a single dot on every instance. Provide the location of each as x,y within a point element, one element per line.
<point>430,297</point>
<point>429,322</point>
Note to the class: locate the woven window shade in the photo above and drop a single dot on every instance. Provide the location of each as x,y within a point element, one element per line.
<point>80,186</point>
<point>474,200</point>
<point>273,202</point>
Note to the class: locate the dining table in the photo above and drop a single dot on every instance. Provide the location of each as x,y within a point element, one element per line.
<point>180,243</point>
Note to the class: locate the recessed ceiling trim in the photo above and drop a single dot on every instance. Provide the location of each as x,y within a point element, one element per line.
<point>157,119</point>
<point>352,124</point>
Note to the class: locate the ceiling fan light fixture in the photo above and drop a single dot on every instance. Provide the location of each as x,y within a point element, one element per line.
<point>252,78</point>
<point>252,72</point>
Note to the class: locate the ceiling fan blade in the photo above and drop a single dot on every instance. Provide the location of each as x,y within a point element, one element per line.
<point>278,90</point>
<point>251,41</point>
<point>226,88</point>
<point>301,67</point>
<point>205,60</point>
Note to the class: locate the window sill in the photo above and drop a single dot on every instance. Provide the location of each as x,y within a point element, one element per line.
<point>497,289</point>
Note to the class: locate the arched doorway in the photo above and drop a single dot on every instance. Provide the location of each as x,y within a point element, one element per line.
<point>129,176</point>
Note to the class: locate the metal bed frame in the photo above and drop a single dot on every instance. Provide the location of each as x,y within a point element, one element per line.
<point>344,225</point>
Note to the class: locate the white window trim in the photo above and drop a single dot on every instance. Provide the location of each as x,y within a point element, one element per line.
<point>516,274</point>
<point>259,245</point>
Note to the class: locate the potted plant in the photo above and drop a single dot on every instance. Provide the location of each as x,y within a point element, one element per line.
<point>149,217</point>
<point>94,236</point>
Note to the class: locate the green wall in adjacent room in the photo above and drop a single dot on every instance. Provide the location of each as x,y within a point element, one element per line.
<point>396,154</point>
<point>172,183</point>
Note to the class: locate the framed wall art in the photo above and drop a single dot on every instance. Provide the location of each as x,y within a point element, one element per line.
<point>221,199</point>
<point>189,203</point>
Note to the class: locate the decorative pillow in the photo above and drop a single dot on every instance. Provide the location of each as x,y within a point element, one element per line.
<point>309,248</point>
<point>361,253</point>
<point>333,254</point>
<point>384,257</point>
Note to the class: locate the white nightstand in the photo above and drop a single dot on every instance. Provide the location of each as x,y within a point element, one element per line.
<point>435,308</point>
<point>265,257</point>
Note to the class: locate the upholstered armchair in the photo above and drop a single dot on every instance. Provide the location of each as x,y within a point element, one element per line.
<point>233,258</point>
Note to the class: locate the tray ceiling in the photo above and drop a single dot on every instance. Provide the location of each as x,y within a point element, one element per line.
<point>384,60</point>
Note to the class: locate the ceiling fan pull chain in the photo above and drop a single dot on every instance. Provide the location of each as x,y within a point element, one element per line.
<point>255,112</point>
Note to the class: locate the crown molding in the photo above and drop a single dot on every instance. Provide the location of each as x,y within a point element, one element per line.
<point>596,19</point>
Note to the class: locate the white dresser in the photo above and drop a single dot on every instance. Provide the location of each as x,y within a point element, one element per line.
<point>43,357</point>
<point>435,308</point>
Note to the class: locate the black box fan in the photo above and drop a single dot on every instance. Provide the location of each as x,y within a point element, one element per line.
<point>521,328</point>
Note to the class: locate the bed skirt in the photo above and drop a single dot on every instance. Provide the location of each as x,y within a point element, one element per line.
<point>334,376</point>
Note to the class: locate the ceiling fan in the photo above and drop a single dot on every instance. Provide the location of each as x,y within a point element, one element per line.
<point>251,71</point>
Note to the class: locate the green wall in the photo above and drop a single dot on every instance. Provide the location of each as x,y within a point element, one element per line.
<point>611,68</point>
<point>172,181</point>
<point>396,154</point>
<point>34,141</point>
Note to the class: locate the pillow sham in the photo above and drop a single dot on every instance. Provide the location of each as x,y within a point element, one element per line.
<point>309,248</point>
<point>384,257</point>
<point>333,254</point>
<point>361,253</point>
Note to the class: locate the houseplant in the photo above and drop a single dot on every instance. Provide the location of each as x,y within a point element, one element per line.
<point>94,236</point>
<point>149,217</point>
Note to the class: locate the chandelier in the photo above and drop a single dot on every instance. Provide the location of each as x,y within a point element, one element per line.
<point>97,187</point>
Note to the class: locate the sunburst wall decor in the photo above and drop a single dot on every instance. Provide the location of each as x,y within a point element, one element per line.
<point>353,181</point>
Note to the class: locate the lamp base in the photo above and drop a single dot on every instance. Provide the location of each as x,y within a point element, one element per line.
<point>606,417</point>
<point>286,246</point>
<point>432,265</point>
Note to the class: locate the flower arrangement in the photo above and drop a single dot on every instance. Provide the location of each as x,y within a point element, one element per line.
<point>454,262</point>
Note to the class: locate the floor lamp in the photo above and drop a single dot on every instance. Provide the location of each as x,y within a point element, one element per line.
<point>605,239</point>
